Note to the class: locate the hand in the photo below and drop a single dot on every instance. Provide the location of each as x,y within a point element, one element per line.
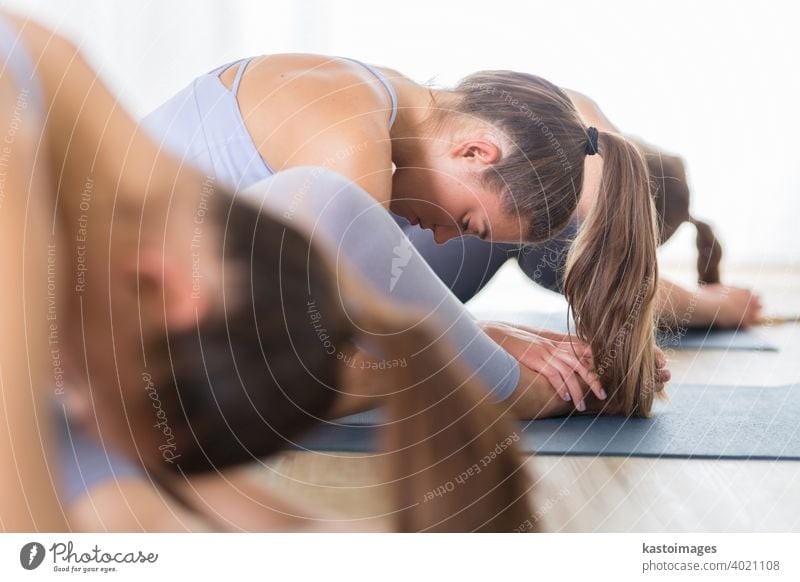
<point>663,375</point>
<point>734,306</point>
<point>566,364</point>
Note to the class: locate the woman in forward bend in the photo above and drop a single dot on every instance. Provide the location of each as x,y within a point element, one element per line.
<point>504,156</point>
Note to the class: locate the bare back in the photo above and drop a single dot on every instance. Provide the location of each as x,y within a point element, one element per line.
<point>315,110</point>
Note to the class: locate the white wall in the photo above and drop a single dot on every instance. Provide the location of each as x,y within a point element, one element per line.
<point>716,81</point>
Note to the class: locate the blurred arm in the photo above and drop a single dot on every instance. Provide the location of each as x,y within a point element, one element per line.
<point>28,499</point>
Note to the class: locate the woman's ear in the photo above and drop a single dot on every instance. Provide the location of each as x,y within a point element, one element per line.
<point>481,150</point>
<point>168,286</point>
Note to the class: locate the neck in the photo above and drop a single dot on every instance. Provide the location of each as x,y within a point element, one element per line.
<point>410,133</point>
<point>592,175</point>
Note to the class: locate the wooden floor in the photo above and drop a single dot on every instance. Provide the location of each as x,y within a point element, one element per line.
<point>583,494</point>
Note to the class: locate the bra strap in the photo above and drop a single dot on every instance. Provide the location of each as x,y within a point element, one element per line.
<point>14,59</point>
<point>385,82</point>
<point>239,72</point>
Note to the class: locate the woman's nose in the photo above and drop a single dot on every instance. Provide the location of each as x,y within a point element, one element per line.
<point>442,234</point>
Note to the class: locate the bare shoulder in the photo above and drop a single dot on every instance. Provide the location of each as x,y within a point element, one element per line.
<point>590,110</point>
<point>317,110</point>
<point>41,41</point>
<point>577,97</point>
<point>310,86</point>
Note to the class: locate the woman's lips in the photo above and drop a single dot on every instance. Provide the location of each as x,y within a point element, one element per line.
<point>422,224</point>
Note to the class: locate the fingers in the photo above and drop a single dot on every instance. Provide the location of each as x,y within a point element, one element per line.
<point>575,365</point>
<point>570,383</point>
<point>577,348</point>
<point>661,358</point>
<point>563,379</point>
<point>573,361</point>
<point>574,375</point>
<point>538,357</point>
<point>582,351</point>
<point>557,382</point>
<point>577,376</point>
<point>754,310</point>
<point>751,313</point>
<point>662,376</point>
<point>738,307</point>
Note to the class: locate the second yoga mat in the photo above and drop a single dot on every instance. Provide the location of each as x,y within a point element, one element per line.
<point>689,339</point>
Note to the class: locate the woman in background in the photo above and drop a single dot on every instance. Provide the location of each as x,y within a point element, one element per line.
<point>713,303</point>
<point>165,322</point>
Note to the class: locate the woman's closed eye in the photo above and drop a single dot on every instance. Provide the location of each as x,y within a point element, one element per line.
<point>466,229</point>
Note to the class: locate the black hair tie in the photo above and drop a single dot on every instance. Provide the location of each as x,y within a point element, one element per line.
<point>591,145</point>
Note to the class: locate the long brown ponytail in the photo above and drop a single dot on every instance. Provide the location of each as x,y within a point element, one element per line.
<point>611,279</point>
<point>671,195</point>
<point>709,253</point>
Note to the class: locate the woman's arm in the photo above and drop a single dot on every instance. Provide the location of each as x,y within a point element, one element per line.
<point>717,305</point>
<point>28,499</point>
<point>132,504</point>
<point>88,133</point>
<point>237,500</point>
<point>343,218</point>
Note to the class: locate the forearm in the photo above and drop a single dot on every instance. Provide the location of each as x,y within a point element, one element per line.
<point>680,307</point>
<point>237,500</point>
<point>362,389</point>
<point>28,501</point>
<point>132,505</point>
<point>534,397</point>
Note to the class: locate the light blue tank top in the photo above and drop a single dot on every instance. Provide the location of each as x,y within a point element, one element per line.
<point>203,126</point>
<point>17,63</point>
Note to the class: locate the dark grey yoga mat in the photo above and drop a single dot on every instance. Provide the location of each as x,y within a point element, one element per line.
<point>688,339</point>
<point>716,339</point>
<point>702,422</point>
